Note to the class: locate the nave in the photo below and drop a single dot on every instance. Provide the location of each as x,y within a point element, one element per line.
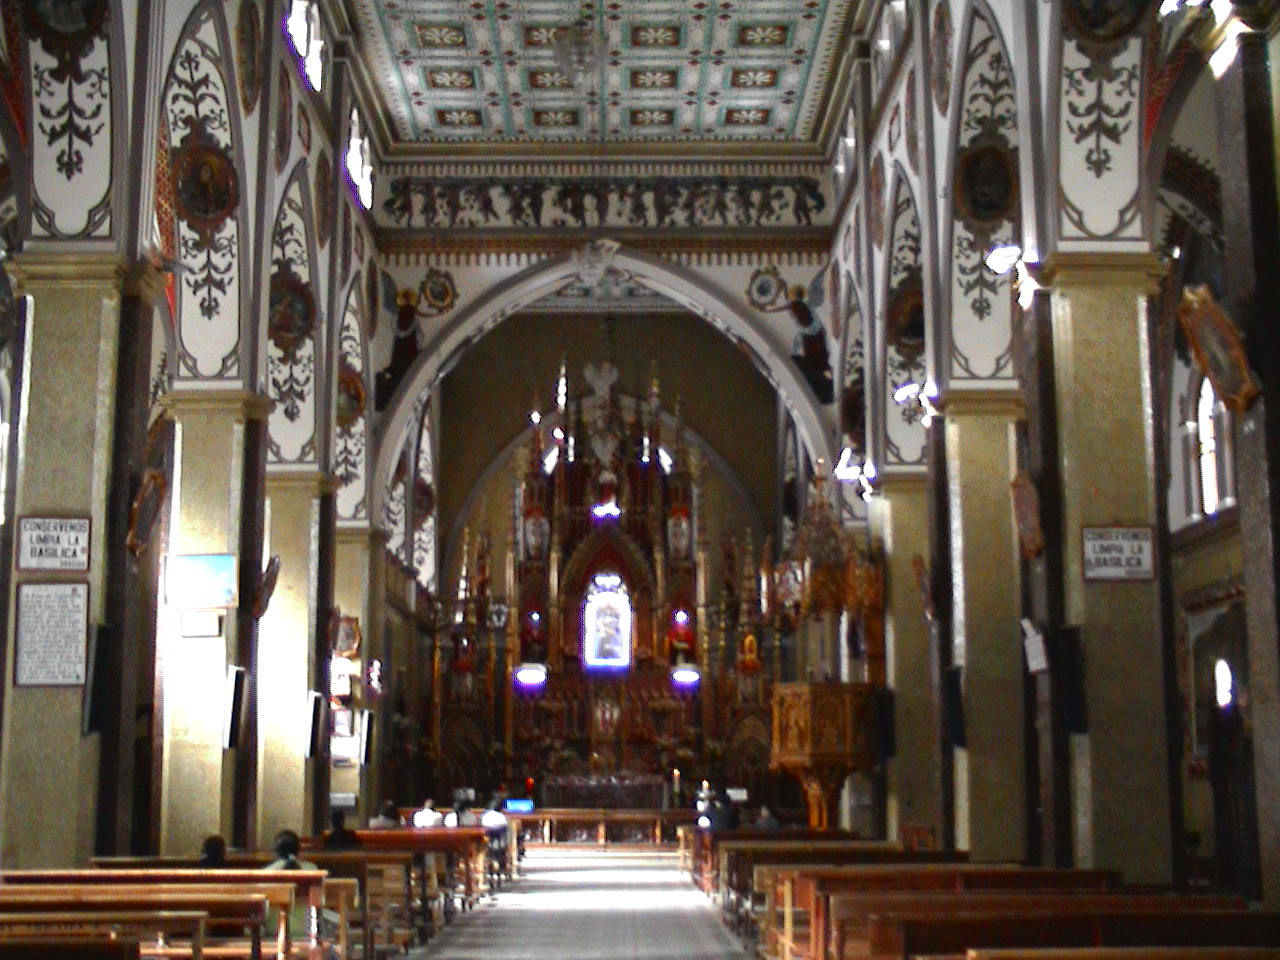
<point>590,905</point>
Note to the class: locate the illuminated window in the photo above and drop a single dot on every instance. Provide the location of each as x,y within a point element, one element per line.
<point>606,623</point>
<point>1207,447</point>
<point>302,26</point>
<point>359,166</point>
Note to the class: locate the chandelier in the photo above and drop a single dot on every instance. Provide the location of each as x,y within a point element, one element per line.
<point>578,48</point>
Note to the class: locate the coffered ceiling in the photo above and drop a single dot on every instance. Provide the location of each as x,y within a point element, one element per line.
<point>679,78</point>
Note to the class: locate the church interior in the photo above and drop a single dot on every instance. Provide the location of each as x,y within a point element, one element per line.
<point>859,404</point>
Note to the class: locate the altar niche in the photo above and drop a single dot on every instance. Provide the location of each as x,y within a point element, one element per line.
<point>606,623</point>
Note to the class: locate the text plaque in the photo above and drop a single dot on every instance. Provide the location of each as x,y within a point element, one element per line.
<point>1119,553</point>
<point>53,630</point>
<point>53,543</point>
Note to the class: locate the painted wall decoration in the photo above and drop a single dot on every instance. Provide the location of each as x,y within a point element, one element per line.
<point>424,502</point>
<point>204,188</point>
<point>393,511</point>
<point>1100,129</point>
<point>292,321</point>
<point>419,201</point>
<point>768,291</point>
<point>875,201</point>
<point>435,296</point>
<point>70,80</point>
<point>304,128</point>
<point>905,331</point>
<point>324,199</point>
<point>985,208</point>
<point>913,123</point>
<point>284,117</point>
<point>249,54</point>
<point>351,420</point>
<point>940,62</point>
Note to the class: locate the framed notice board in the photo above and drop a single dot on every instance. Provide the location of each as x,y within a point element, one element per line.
<point>52,635</point>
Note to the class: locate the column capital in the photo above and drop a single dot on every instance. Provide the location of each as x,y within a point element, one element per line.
<point>362,534</point>
<point>242,404</point>
<point>902,482</point>
<point>1005,404</point>
<point>1095,268</point>
<point>80,269</point>
<point>315,482</point>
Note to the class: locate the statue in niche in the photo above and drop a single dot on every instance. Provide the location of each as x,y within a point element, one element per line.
<point>768,292</point>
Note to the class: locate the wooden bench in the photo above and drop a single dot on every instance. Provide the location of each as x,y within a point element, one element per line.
<point>308,887</point>
<point>1128,953</point>
<point>464,845</point>
<point>738,894</point>
<point>177,933</point>
<point>849,913</point>
<point>907,936</point>
<point>803,893</point>
<point>237,918</point>
<point>705,844</point>
<point>383,880</point>
<point>70,948</point>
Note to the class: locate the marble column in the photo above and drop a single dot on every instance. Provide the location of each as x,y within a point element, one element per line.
<point>353,592</point>
<point>990,796</point>
<point>50,772</point>
<point>900,516</point>
<point>1103,388</point>
<point>286,657</point>
<point>206,508</point>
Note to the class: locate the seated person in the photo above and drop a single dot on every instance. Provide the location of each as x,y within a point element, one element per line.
<point>339,837</point>
<point>287,848</point>
<point>461,815</point>
<point>493,819</point>
<point>388,817</point>
<point>428,816</point>
<point>765,820</point>
<point>213,852</point>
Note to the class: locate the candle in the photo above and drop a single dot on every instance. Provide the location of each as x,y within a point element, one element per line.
<point>675,783</point>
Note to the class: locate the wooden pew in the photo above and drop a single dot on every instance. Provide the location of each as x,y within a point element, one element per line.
<point>75,948</point>
<point>384,880</point>
<point>1128,953</point>
<point>238,916</point>
<point>849,913</point>
<point>806,891</point>
<point>706,847</point>
<point>903,937</point>
<point>740,858</point>
<point>187,927</point>
<point>308,886</point>
<point>466,844</point>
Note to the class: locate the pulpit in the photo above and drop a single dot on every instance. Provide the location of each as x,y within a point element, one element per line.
<point>822,732</point>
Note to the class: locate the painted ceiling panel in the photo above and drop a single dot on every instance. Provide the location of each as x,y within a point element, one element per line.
<point>469,72</point>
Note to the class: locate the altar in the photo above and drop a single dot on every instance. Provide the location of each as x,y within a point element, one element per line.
<point>600,827</point>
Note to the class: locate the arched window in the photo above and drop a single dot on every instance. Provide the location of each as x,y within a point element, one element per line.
<point>1207,447</point>
<point>357,161</point>
<point>1209,451</point>
<point>302,26</point>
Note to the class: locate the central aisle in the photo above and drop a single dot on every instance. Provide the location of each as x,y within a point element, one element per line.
<point>577,905</point>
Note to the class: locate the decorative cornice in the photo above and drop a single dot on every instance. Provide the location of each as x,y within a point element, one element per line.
<point>315,482</point>
<point>79,268</point>
<point>1096,268</point>
<point>780,244</point>
<point>242,404</point>
<point>1008,404</point>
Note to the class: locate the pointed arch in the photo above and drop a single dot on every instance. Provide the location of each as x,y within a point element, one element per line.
<point>352,393</point>
<point>201,199</point>
<point>678,283</point>
<point>984,207</point>
<point>294,321</point>
<point>905,338</point>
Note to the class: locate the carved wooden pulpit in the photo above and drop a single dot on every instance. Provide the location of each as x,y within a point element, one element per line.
<point>822,732</point>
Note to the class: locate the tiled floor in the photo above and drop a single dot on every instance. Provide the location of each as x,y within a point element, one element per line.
<point>575,905</point>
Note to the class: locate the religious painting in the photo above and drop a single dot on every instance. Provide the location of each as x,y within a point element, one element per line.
<point>292,313</point>
<point>768,292</point>
<point>606,623</point>
<point>1217,348</point>
<point>206,186</point>
<point>905,319</point>
<point>65,26</point>
<point>1104,21</point>
<point>875,197</point>
<point>145,510</point>
<point>940,63</point>
<point>986,183</point>
<point>249,53</point>
<point>351,395</point>
<point>284,120</point>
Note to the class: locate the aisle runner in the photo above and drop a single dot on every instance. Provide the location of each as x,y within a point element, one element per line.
<point>576,906</point>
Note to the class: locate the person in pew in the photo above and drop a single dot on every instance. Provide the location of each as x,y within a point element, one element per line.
<point>461,815</point>
<point>387,818</point>
<point>723,812</point>
<point>213,852</point>
<point>339,837</point>
<point>765,820</point>
<point>428,816</point>
<point>287,848</point>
